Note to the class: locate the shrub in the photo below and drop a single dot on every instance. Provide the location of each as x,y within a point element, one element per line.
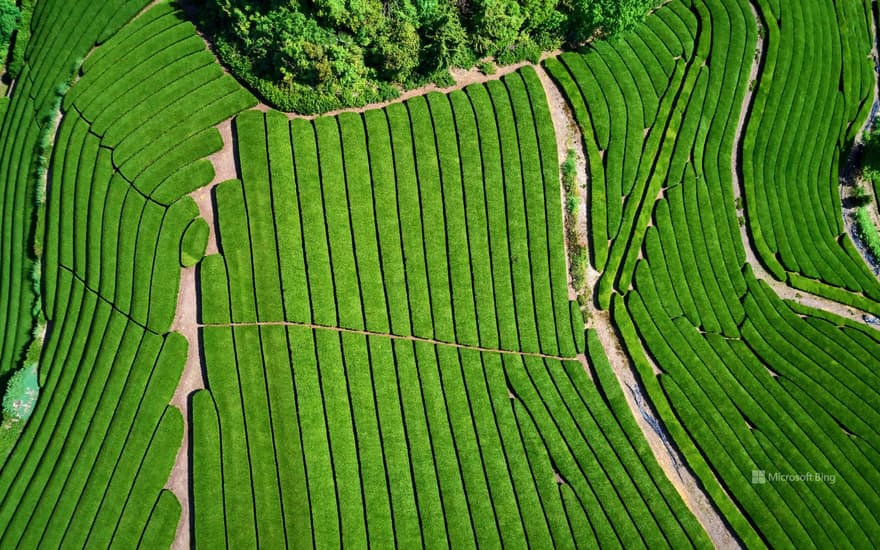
<point>21,394</point>
<point>569,170</point>
<point>577,254</point>
<point>867,231</point>
<point>9,18</point>
<point>860,198</point>
<point>22,37</point>
<point>486,67</point>
<point>193,242</point>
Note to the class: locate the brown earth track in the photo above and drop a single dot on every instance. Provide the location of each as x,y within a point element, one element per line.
<point>186,323</point>
<point>391,336</point>
<point>568,136</point>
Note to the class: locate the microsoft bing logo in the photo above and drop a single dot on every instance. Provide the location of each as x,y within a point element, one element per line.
<point>758,477</point>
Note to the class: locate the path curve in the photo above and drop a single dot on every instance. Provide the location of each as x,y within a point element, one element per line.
<point>781,289</point>
<point>568,135</point>
<point>186,323</point>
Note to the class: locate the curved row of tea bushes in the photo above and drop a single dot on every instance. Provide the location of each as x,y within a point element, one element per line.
<point>740,381</point>
<point>326,437</point>
<point>90,465</point>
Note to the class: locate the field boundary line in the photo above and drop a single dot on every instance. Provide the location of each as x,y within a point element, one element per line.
<point>391,336</point>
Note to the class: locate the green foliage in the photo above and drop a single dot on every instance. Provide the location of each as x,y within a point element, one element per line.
<point>22,37</point>
<point>21,394</point>
<point>579,261</point>
<point>867,231</point>
<point>871,155</point>
<point>577,254</point>
<point>608,17</point>
<point>193,242</point>
<point>569,171</point>
<point>795,221</point>
<point>9,18</point>
<point>860,198</point>
<point>326,55</point>
<point>679,285</point>
<point>486,67</point>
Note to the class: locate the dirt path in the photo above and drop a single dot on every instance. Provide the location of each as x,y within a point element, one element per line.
<point>738,193</point>
<point>190,381</point>
<point>224,170</point>
<point>568,136</point>
<point>669,459</point>
<point>667,456</point>
<point>186,323</point>
<point>463,78</point>
<point>392,336</point>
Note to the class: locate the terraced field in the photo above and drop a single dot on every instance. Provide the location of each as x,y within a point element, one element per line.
<point>747,381</point>
<point>89,468</point>
<point>363,391</point>
<point>840,84</point>
<point>355,330</point>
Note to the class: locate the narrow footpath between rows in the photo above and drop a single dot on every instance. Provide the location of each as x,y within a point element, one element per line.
<point>568,135</point>
<point>186,323</point>
<point>781,289</point>
<point>391,336</point>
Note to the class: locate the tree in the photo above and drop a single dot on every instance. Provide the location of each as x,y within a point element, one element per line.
<point>341,53</point>
<point>620,15</point>
<point>446,42</point>
<point>396,52</point>
<point>494,25</point>
<point>9,16</point>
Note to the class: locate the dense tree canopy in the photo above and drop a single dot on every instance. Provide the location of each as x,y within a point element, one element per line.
<point>8,22</point>
<point>317,55</point>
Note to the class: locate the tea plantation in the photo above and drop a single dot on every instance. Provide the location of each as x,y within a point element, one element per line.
<point>224,326</point>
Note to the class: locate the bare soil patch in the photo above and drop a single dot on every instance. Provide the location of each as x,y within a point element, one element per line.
<point>186,323</point>
<point>568,137</point>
